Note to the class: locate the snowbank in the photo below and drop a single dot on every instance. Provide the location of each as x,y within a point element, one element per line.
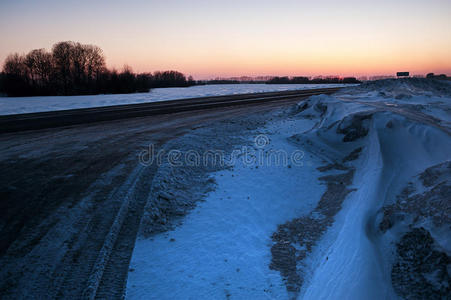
<point>367,252</point>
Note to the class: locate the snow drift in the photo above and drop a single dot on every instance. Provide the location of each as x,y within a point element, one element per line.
<point>391,239</point>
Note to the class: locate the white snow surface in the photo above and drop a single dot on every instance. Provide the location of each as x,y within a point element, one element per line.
<point>19,105</point>
<point>222,249</point>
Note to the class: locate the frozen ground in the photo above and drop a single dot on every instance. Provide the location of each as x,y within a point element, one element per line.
<point>367,215</point>
<point>20,105</point>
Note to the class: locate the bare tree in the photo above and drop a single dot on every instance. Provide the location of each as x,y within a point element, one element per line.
<point>15,65</point>
<point>61,54</point>
<point>39,64</point>
<point>95,63</point>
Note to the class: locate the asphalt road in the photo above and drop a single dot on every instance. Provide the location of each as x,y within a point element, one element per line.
<point>33,121</point>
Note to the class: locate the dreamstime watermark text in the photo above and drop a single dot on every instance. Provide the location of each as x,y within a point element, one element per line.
<point>259,154</point>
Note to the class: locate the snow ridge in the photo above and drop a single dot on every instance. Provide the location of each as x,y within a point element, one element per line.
<point>355,259</point>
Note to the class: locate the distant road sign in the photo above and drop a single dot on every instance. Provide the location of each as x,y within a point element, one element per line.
<point>402,74</point>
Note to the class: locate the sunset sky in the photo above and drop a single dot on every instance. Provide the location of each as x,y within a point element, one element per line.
<point>210,38</point>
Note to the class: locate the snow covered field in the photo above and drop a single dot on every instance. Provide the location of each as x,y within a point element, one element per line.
<point>366,215</point>
<point>20,105</point>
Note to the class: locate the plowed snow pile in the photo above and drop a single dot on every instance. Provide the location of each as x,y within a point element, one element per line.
<point>367,215</point>
<point>392,237</point>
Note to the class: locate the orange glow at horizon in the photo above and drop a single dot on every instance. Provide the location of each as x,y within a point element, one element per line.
<point>209,39</point>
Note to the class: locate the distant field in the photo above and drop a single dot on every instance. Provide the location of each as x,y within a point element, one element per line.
<point>17,105</point>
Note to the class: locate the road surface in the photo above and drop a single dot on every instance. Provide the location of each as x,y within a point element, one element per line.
<point>32,121</point>
<point>65,230</point>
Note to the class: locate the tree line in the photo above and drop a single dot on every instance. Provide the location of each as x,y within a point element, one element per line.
<point>72,68</point>
<point>306,80</point>
<point>76,69</point>
<point>285,80</point>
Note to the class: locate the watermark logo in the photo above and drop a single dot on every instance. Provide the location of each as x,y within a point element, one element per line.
<point>261,141</point>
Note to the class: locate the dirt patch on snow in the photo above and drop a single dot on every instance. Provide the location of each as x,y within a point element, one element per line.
<point>295,239</point>
<point>421,270</point>
<point>421,265</point>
